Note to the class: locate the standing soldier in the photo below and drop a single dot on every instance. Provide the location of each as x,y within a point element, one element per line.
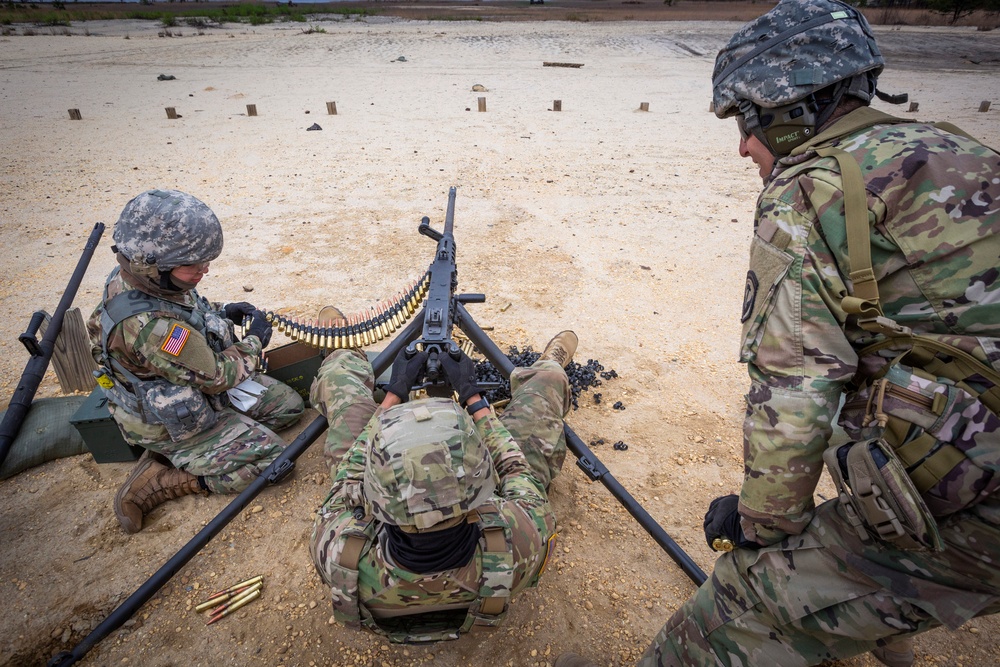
<point>438,513</point>
<point>874,284</point>
<point>168,357</point>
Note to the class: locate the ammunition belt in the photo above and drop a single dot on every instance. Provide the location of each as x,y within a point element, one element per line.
<point>359,329</point>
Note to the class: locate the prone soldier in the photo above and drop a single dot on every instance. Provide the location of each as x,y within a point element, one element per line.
<point>438,513</point>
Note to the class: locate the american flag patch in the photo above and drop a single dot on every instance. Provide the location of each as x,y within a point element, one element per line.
<point>175,341</point>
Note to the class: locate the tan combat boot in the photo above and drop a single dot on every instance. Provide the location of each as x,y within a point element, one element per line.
<point>896,653</point>
<point>561,348</point>
<point>148,485</point>
<point>330,316</point>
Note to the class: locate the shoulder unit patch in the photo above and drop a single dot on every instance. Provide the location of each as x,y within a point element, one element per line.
<point>174,342</point>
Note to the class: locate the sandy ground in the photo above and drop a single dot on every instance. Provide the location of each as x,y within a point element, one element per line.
<point>630,227</point>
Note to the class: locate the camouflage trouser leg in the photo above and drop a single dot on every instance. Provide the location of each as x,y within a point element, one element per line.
<point>540,398</point>
<point>808,600</point>
<point>228,456</point>
<point>342,392</point>
<point>279,407</point>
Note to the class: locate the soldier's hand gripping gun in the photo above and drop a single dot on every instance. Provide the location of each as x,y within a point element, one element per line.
<point>440,306</point>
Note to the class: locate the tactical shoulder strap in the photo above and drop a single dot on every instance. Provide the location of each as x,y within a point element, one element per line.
<point>864,303</point>
<point>357,538</point>
<point>496,580</point>
<point>117,309</point>
<point>132,302</point>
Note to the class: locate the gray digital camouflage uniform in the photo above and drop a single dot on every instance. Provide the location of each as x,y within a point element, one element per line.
<point>819,591</point>
<point>342,392</point>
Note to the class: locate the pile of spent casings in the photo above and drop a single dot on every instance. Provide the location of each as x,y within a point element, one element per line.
<point>581,376</point>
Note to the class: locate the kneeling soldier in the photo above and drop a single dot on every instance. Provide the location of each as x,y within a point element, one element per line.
<point>168,358</point>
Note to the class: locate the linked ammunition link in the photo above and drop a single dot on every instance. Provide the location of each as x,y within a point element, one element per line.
<point>357,330</point>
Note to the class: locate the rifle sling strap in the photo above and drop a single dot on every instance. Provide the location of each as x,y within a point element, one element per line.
<point>864,302</point>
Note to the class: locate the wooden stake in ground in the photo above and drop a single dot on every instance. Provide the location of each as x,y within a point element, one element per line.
<point>557,105</point>
<point>331,108</point>
<point>74,114</point>
<point>171,113</point>
<point>984,106</point>
<point>71,358</point>
<point>482,104</point>
<point>643,106</point>
<point>251,109</point>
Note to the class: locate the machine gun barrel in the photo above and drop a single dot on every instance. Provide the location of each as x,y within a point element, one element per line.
<point>41,351</point>
<point>587,460</point>
<point>439,305</point>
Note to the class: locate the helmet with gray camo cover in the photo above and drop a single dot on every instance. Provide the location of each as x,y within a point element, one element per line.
<point>160,230</point>
<point>426,464</point>
<point>797,49</point>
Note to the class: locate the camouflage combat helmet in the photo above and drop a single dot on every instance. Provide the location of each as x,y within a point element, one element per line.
<point>782,58</point>
<point>426,464</point>
<point>162,229</point>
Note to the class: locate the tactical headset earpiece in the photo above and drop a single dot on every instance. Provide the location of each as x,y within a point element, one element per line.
<point>788,126</point>
<point>783,128</point>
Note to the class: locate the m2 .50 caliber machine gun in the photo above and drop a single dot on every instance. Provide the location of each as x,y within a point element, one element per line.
<point>441,304</point>
<point>430,331</point>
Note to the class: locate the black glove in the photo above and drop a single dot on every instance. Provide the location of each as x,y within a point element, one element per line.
<point>722,521</point>
<point>405,372</point>
<point>235,312</point>
<point>260,327</point>
<point>461,374</point>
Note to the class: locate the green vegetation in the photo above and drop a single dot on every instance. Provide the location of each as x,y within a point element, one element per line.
<point>170,14</point>
<point>956,9</point>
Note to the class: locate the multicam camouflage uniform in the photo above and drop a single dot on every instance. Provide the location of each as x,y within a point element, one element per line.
<point>343,393</point>
<point>187,348</point>
<point>819,591</point>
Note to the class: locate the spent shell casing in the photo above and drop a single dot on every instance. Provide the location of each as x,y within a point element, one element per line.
<point>236,605</point>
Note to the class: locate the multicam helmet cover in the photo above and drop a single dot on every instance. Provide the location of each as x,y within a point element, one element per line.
<point>797,48</point>
<point>165,229</point>
<point>426,464</point>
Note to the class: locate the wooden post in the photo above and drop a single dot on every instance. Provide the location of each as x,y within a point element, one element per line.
<point>711,107</point>
<point>71,358</point>
<point>251,109</point>
<point>331,108</point>
<point>74,114</point>
<point>984,106</point>
<point>482,104</point>
<point>171,113</point>
<point>914,106</point>
<point>557,105</point>
<point>643,106</point>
